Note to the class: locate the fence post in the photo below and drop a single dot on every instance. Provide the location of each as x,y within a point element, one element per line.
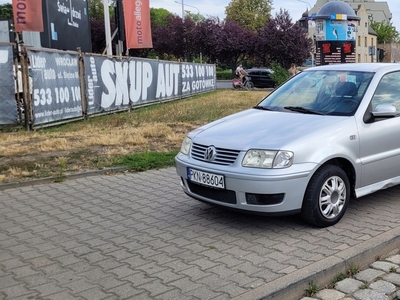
<point>26,85</point>
<point>82,84</point>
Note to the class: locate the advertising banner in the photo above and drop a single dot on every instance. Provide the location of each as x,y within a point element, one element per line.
<point>8,104</point>
<point>113,84</point>
<point>56,93</point>
<point>66,25</point>
<point>335,30</point>
<point>137,24</point>
<point>27,15</point>
<point>332,52</point>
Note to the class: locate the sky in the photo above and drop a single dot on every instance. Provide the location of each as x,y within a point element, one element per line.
<point>217,7</point>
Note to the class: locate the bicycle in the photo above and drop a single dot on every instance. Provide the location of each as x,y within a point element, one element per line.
<point>247,83</point>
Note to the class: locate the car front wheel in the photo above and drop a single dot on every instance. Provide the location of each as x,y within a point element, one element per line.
<point>327,197</point>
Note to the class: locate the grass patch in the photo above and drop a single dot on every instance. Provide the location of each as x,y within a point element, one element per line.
<point>311,290</point>
<point>140,139</point>
<point>148,160</point>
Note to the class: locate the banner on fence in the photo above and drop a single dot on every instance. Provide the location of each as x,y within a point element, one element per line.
<point>8,105</point>
<point>112,84</point>
<point>56,91</point>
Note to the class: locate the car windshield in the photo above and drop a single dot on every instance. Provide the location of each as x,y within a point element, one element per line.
<point>323,92</point>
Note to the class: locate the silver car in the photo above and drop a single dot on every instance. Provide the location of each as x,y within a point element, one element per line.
<point>329,133</point>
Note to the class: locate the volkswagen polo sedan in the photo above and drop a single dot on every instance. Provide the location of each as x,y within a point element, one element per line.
<point>327,134</point>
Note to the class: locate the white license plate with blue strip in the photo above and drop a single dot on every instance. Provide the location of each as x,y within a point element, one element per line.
<point>206,178</point>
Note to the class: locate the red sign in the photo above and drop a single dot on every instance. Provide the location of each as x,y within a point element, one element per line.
<point>28,15</point>
<point>137,24</point>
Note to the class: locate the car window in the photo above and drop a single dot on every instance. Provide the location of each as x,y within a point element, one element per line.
<point>388,91</point>
<point>325,92</point>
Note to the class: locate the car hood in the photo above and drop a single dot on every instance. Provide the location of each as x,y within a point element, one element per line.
<point>267,129</point>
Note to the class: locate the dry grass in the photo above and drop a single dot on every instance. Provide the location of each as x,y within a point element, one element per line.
<point>96,142</point>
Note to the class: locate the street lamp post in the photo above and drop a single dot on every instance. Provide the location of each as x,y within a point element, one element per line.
<point>305,2</point>
<point>198,11</point>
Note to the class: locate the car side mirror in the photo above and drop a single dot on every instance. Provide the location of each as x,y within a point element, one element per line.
<point>384,111</point>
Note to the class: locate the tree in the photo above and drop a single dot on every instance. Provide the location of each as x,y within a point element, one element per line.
<point>173,40</point>
<point>282,41</point>
<point>249,14</point>
<point>386,32</point>
<point>6,12</point>
<point>233,44</point>
<point>96,9</point>
<point>207,37</point>
<point>197,18</point>
<point>159,16</point>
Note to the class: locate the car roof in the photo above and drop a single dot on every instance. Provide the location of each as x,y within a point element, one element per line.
<point>364,67</point>
<point>260,69</point>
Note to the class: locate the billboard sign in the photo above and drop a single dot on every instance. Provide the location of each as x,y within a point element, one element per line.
<point>66,25</point>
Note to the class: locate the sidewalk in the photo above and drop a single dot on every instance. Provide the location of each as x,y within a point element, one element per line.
<point>137,235</point>
<point>380,281</point>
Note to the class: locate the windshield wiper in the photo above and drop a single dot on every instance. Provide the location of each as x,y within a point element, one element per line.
<point>302,110</point>
<point>262,107</point>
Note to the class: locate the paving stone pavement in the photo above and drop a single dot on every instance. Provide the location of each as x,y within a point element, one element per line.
<point>380,281</point>
<point>138,236</point>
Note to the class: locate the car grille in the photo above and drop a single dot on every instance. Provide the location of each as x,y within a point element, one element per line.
<point>225,196</point>
<point>223,156</point>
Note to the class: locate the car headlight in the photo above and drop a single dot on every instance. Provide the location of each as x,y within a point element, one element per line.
<point>186,144</point>
<point>267,159</point>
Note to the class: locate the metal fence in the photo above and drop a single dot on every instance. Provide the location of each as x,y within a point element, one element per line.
<point>44,87</point>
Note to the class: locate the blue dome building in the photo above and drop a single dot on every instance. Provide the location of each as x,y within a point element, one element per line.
<point>336,29</point>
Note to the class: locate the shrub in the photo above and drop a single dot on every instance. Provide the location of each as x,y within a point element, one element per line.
<point>280,74</point>
<point>225,75</point>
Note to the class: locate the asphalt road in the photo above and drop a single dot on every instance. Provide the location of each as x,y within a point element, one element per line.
<point>224,84</point>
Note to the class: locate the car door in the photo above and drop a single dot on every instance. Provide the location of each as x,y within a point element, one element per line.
<point>380,139</point>
<point>267,80</point>
<point>255,77</point>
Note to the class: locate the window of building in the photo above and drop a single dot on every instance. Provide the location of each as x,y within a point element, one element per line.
<point>365,42</point>
<point>359,41</point>
<point>359,57</point>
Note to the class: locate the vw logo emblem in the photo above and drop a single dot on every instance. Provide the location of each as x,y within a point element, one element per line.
<point>210,153</point>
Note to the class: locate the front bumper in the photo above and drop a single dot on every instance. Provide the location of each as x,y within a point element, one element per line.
<point>249,189</point>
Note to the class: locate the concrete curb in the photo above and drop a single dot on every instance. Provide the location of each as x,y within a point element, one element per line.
<point>67,176</point>
<point>322,273</point>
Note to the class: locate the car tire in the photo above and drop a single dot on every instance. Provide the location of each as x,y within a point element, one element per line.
<point>327,197</point>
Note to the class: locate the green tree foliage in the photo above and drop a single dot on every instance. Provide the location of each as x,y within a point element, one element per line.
<point>6,11</point>
<point>159,16</point>
<point>96,9</point>
<point>196,18</point>
<point>280,74</point>
<point>387,33</point>
<point>249,14</point>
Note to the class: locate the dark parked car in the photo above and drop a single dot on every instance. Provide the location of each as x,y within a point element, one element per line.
<point>261,77</point>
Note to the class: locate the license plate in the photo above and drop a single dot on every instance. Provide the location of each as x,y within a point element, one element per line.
<point>205,178</point>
